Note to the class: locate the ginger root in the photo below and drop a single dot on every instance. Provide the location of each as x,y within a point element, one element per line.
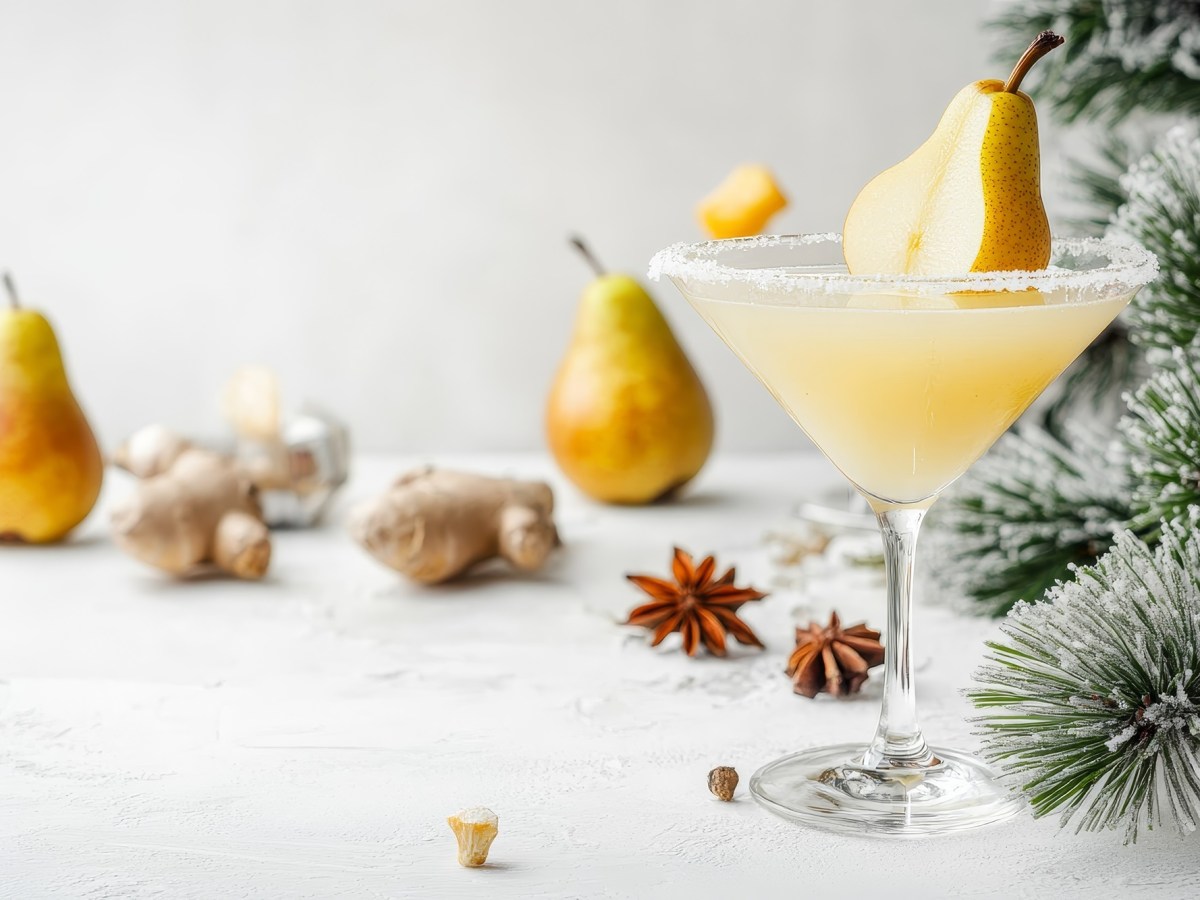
<point>199,510</point>
<point>434,524</point>
<point>150,450</point>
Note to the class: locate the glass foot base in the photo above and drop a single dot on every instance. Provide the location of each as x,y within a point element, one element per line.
<point>828,788</point>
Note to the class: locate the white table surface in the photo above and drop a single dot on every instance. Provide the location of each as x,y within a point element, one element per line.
<point>307,736</point>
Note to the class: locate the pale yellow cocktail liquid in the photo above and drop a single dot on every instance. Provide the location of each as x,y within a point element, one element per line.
<point>904,393</point>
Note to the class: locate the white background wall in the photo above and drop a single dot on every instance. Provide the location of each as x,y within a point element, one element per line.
<point>373,197</point>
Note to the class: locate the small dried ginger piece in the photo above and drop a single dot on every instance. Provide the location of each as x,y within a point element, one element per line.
<point>475,829</point>
<point>723,781</point>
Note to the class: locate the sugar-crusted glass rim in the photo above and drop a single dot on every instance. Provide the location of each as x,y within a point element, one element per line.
<point>1128,267</point>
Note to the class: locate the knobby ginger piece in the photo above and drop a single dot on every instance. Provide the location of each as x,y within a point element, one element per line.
<point>742,204</point>
<point>200,511</point>
<point>475,829</point>
<point>434,524</point>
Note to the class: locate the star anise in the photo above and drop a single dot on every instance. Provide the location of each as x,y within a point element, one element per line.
<point>833,658</point>
<point>701,608</point>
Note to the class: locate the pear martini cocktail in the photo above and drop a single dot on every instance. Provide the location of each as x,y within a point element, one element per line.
<point>902,382</point>
<point>903,375</point>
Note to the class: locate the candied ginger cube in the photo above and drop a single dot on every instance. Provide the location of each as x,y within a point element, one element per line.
<point>742,204</point>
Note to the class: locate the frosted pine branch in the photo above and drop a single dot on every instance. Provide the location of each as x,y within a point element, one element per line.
<point>1091,699</point>
<point>1119,55</point>
<point>1163,431</point>
<point>1026,512</point>
<point>1162,213</point>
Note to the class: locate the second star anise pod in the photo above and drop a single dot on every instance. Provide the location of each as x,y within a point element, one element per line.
<point>833,659</point>
<point>703,609</point>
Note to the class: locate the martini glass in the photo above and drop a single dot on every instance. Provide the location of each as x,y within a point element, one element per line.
<point>902,382</point>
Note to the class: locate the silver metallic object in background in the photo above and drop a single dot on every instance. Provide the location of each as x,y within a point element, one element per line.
<point>298,475</point>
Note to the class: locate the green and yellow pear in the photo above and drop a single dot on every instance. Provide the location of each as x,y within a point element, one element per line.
<point>50,465</point>
<point>627,419</point>
<point>967,200</point>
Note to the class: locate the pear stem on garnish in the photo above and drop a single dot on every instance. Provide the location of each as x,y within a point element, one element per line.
<point>585,251</point>
<point>1042,44</point>
<point>10,288</point>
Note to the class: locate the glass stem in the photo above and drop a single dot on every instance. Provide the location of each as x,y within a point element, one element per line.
<point>898,740</point>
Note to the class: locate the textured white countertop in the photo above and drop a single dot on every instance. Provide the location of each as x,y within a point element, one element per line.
<point>307,736</point>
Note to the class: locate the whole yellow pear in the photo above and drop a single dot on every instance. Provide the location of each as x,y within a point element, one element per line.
<point>627,418</point>
<point>967,200</point>
<point>50,465</point>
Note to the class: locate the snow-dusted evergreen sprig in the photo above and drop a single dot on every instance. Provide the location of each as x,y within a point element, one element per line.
<point>1024,514</point>
<point>1163,431</point>
<point>1092,698</point>
<point>1119,55</point>
<point>1162,213</point>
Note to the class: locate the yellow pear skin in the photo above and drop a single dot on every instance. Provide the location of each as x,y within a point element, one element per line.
<point>627,419</point>
<point>50,465</point>
<point>967,200</point>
